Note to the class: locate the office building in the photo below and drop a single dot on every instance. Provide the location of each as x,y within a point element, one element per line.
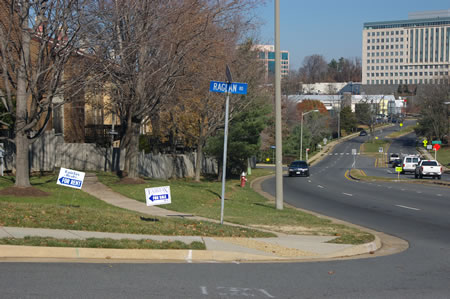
<point>266,53</point>
<point>412,51</point>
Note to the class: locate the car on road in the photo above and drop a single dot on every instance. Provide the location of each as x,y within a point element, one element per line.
<point>298,168</point>
<point>409,163</point>
<point>396,163</point>
<point>363,133</point>
<point>393,157</point>
<point>428,168</point>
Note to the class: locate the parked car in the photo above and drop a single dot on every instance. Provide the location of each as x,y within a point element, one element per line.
<point>396,163</point>
<point>393,157</point>
<point>363,133</point>
<point>428,168</point>
<point>409,163</point>
<point>299,168</point>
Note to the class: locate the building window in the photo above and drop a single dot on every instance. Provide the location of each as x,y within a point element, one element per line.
<point>285,56</point>
<point>271,55</point>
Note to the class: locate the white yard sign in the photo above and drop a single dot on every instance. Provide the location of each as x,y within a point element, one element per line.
<point>158,196</point>
<point>70,178</point>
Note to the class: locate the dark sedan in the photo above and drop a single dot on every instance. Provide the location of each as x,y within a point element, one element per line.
<point>299,168</point>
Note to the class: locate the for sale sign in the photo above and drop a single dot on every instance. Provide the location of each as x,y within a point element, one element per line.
<point>158,196</point>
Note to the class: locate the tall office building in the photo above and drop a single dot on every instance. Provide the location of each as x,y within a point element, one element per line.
<point>413,51</point>
<point>266,53</point>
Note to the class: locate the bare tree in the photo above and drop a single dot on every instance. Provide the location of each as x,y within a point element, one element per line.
<point>314,69</point>
<point>38,42</point>
<point>146,51</point>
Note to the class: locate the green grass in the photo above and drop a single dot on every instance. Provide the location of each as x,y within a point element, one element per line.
<point>443,156</point>
<point>68,208</point>
<point>371,147</point>
<point>403,131</point>
<point>242,206</point>
<point>101,243</point>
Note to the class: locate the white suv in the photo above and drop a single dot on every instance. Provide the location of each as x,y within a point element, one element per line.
<point>409,163</point>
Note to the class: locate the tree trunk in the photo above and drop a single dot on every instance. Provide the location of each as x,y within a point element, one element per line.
<point>21,140</point>
<point>132,151</point>
<point>199,161</point>
<point>22,161</point>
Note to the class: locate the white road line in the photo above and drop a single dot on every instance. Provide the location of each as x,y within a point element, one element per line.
<point>204,291</point>
<point>189,257</point>
<point>348,194</point>
<point>347,154</point>
<point>405,207</point>
<point>342,154</point>
<point>419,192</point>
<point>336,154</point>
<point>320,186</point>
<point>309,181</point>
<point>439,194</point>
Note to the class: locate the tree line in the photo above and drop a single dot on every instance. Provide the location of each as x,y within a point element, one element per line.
<point>148,61</point>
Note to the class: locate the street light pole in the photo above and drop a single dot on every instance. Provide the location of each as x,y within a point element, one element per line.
<point>278,144</point>
<point>301,132</point>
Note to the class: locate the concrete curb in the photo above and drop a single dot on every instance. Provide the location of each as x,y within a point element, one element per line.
<point>358,249</point>
<point>36,252</point>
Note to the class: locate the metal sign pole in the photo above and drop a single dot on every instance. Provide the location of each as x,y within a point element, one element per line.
<point>224,170</point>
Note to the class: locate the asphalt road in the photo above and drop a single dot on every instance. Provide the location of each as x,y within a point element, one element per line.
<point>417,213</point>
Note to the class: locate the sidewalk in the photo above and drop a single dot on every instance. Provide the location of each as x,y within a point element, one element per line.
<point>284,247</point>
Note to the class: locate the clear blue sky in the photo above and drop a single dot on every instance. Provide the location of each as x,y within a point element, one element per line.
<point>332,28</point>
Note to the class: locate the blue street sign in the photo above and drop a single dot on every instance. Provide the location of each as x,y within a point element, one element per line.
<point>70,182</point>
<point>159,197</point>
<point>222,87</point>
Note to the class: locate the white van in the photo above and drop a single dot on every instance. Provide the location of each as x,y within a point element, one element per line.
<point>409,163</point>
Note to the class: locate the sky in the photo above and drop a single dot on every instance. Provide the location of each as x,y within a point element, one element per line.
<point>332,28</point>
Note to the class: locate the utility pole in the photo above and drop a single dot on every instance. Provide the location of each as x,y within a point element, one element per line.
<point>278,144</point>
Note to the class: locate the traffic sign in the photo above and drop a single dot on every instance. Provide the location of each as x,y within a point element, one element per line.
<point>425,142</point>
<point>436,147</point>
<point>222,87</point>
<point>398,169</point>
<point>380,149</point>
<point>429,146</point>
<point>436,142</point>
<point>401,124</point>
<point>70,178</point>
<point>157,196</point>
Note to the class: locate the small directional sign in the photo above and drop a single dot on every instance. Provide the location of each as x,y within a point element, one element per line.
<point>398,169</point>
<point>222,87</point>
<point>425,142</point>
<point>158,196</point>
<point>70,178</point>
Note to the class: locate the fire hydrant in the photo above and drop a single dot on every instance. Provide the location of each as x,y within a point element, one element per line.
<point>243,179</point>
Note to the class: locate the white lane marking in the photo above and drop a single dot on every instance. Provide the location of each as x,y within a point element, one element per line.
<point>419,192</point>
<point>189,257</point>
<point>309,181</point>
<point>342,154</point>
<point>439,194</point>
<point>204,291</point>
<point>336,154</point>
<point>348,194</point>
<point>347,154</point>
<point>320,186</point>
<point>405,207</point>
<point>403,189</point>
<point>266,293</point>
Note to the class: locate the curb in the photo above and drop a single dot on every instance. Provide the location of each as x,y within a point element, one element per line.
<point>189,256</point>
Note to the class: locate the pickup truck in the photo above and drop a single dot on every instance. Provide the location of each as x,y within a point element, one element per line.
<point>428,168</point>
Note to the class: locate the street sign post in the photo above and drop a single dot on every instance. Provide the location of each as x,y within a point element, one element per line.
<point>70,178</point>
<point>158,196</point>
<point>398,169</point>
<point>233,88</point>
<point>436,142</point>
<point>436,147</point>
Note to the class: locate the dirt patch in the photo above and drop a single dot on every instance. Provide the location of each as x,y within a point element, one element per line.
<point>130,181</point>
<point>292,230</point>
<point>268,247</point>
<point>24,192</point>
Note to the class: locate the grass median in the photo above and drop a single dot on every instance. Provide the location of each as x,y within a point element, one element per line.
<point>101,243</point>
<point>66,208</point>
<point>242,206</point>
